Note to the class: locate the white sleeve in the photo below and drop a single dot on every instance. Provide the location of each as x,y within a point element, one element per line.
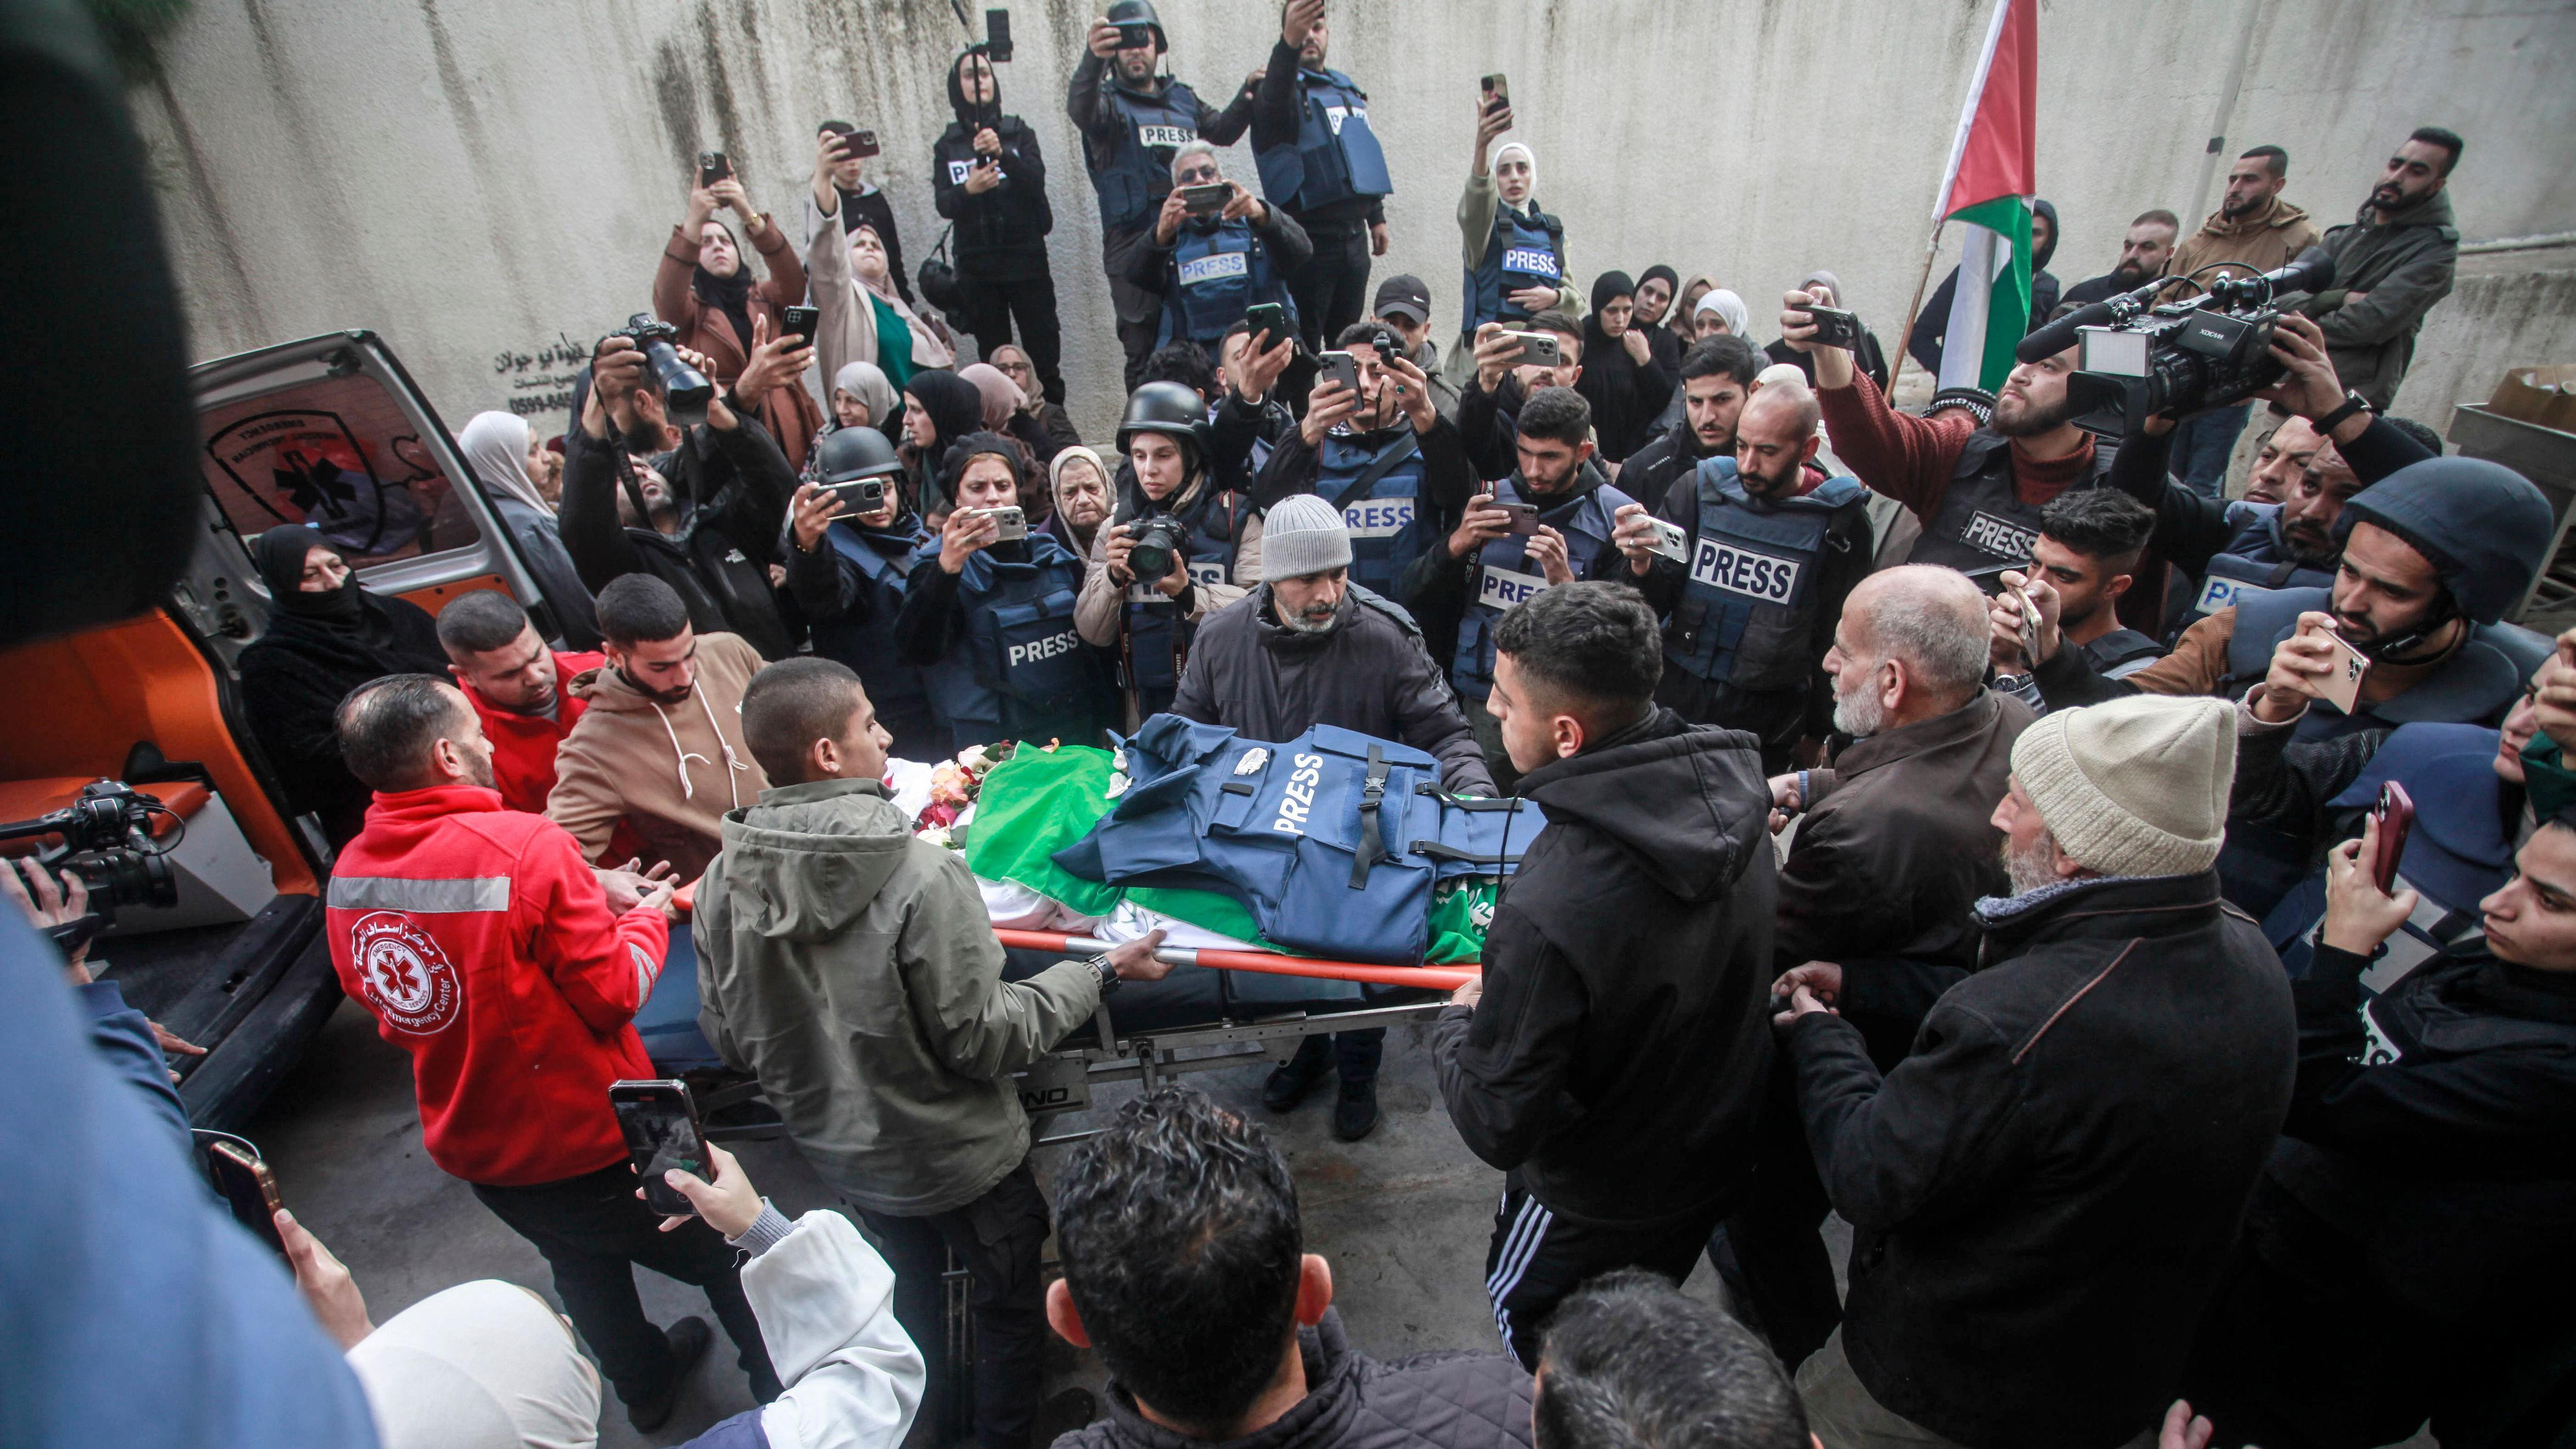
<point>825,1301</point>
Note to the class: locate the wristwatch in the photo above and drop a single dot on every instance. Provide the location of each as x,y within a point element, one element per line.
<point>1107,973</point>
<point>2353,402</point>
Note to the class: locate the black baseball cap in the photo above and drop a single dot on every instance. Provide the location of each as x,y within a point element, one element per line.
<point>1404,293</point>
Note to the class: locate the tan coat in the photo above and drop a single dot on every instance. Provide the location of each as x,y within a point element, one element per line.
<point>2262,242</point>
<point>672,770</point>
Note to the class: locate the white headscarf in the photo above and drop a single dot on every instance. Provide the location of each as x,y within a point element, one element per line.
<point>496,447</point>
<point>1508,147</point>
<point>1739,318</point>
<point>484,1365</point>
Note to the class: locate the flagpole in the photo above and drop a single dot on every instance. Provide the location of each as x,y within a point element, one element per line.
<point>1922,279</point>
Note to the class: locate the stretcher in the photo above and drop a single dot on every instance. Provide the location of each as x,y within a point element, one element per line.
<point>1199,1018</point>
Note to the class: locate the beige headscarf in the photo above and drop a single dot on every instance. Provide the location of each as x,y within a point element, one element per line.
<point>496,447</point>
<point>929,348</point>
<point>1002,397</point>
<point>483,1365</point>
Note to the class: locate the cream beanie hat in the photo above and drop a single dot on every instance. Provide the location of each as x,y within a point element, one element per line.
<point>2137,786</point>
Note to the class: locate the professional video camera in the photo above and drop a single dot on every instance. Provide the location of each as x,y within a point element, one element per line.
<point>2139,359</point>
<point>685,390</point>
<point>106,841</point>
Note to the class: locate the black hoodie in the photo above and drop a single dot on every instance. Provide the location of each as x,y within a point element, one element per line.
<point>1617,1059</point>
<point>1001,234</point>
<point>1930,324</point>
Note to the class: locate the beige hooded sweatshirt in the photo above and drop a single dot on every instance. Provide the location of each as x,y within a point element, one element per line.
<point>671,769</point>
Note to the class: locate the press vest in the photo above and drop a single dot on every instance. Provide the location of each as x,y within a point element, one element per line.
<point>1747,612</point>
<point>2122,652</point>
<point>2476,685</point>
<point>1214,276</point>
<point>2256,557</point>
<point>1134,176</point>
<point>2454,857</point>
<point>1388,525</point>
<point>1522,252</point>
<point>1981,522</point>
<point>1336,155</point>
<point>1333,839</point>
<point>892,681</point>
<point>1021,666</point>
<point>1503,576</point>
<point>1155,630</point>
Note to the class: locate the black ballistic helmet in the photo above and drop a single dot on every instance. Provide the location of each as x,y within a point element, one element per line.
<point>862,452</point>
<point>1139,12</point>
<point>1171,409</point>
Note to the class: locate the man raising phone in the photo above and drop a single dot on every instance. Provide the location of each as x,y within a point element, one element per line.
<point>487,949</point>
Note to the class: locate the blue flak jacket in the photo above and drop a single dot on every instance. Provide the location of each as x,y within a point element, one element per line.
<point>1333,840</point>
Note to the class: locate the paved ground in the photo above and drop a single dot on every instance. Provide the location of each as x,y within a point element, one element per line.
<point>1403,1216</point>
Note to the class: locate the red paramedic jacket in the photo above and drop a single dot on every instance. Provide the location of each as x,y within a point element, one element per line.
<point>523,745</point>
<point>484,947</point>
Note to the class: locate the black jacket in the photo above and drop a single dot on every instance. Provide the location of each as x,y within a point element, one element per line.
<point>1428,1401</point>
<point>1368,673</point>
<point>732,489</point>
<point>1293,468</point>
<point>1625,394</point>
<point>2044,1193</point>
<point>1932,323</point>
<point>293,678</point>
<point>1000,234</point>
<point>1651,471</point>
<point>1617,1059</point>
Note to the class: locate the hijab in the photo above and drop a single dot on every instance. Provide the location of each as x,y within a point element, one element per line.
<point>927,350</point>
<point>1609,379</point>
<point>1063,525</point>
<point>1672,288</point>
<point>1686,302</point>
<point>970,115</point>
<point>867,382</point>
<point>1607,288</point>
<point>1832,283</point>
<point>955,406</point>
<point>348,628</point>
<point>496,447</point>
<point>1739,319</point>
<point>729,295</point>
<point>483,1365</point>
<point>1002,397</point>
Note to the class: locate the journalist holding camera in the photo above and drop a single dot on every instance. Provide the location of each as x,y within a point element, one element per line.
<point>712,530</point>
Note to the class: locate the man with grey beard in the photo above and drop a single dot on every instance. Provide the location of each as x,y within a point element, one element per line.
<point>1893,850</point>
<point>2064,1157</point>
<point>1310,647</point>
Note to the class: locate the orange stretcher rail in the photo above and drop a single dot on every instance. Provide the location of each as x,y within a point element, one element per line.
<point>1443,978</point>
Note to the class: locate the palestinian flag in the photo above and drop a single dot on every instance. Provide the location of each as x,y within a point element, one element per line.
<point>1988,188</point>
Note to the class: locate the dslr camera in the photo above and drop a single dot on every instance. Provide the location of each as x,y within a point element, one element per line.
<point>2138,359</point>
<point>107,841</point>
<point>685,390</point>
<point>1158,542</point>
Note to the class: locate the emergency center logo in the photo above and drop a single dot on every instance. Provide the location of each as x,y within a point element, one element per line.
<point>407,976</point>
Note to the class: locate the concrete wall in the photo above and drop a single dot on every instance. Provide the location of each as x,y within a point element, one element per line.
<point>488,184</point>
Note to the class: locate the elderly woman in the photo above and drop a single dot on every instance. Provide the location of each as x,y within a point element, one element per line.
<point>861,318</point>
<point>1079,483</point>
<point>704,288</point>
<point>325,637</point>
<point>1052,419</point>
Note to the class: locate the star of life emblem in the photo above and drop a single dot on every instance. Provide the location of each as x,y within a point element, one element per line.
<point>408,978</point>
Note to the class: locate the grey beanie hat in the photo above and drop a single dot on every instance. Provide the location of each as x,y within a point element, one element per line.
<point>1302,534</point>
<point>2137,786</point>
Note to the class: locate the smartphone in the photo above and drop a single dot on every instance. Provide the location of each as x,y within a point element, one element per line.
<point>2395,813</point>
<point>1524,517</point>
<point>2029,626</point>
<point>1012,522</point>
<point>1670,541</point>
<point>863,143</point>
<point>1836,328</point>
<point>249,1189</point>
<point>997,36</point>
<point>1206,200</point>
<point>1135,37</point>
<point>713,166</point>
<point>1538,349</point>
<point>1269,324</point>
<point>1498,93</point>
<point>1990,579</point>
<point>801,321</point>
<point>660,1124</point>
<point>1341,367</point>
<point>2342,687</point>
<point>860,495</point>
